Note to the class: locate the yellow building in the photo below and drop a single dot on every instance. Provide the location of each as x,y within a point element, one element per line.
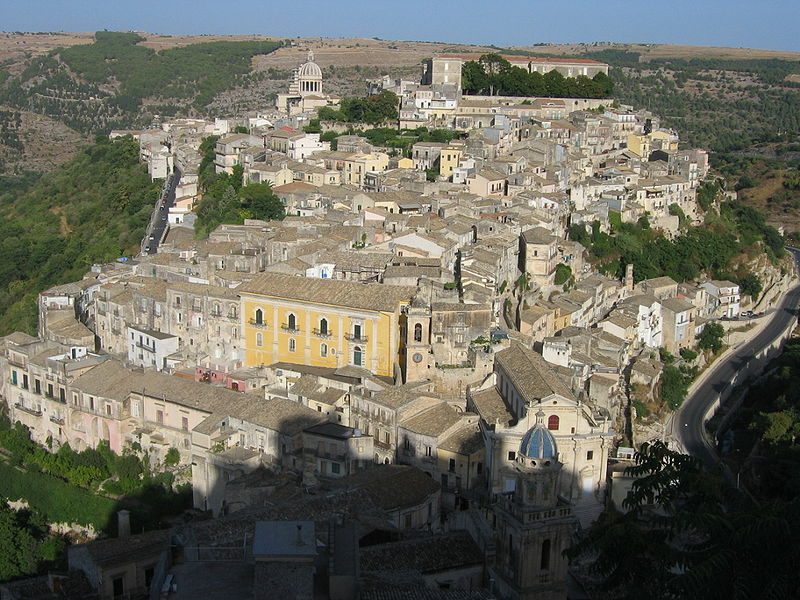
<point>448,160</point>
<point>322,322</point>
<point>358,165</point>
<point>405,163</point>
<point>639,144</point>
<point>668,140</point>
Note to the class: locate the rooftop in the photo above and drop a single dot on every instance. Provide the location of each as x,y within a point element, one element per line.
<point>326,291</point>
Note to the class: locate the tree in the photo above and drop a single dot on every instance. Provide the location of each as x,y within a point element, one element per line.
<point>711,337</point>
<point>473,78</point>
<point>563,274</point>
<point>261,202</point>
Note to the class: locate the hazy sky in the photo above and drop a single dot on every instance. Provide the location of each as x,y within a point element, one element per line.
<point>739,23</point>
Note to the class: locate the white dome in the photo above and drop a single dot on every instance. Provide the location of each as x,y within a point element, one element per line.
<point>310,69</point>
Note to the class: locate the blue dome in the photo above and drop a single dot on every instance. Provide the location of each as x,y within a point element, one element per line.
<point>538,442</point>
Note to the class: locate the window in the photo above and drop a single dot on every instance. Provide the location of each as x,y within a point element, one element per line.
<point>14,377</point>
<point>418,332</point>
<point>118,586</point>
<point>357,356</point>
<point>292,322</point>
<point>512,455</point>
<point>545,562</point>
<point>428,451</point>
<point>323,350</point>
<point>148,576</point>
<point>452,465</point>
<point>108,409</point>
<point>62,395</point>
<point>135,409</point>
<point>292,345</point>
<point>160,417</point>
<point>478,468</point>
<point>37,386</point>
<point>323,326</point>
<point>386,437</point>
<point>259,317</point>
<point>259,339</point>
<point>590,455</point>
<point>552,422</point>
<point>357,331</point>
<point>407,521</point>
<point>185,423</point>
<point>335,467</point>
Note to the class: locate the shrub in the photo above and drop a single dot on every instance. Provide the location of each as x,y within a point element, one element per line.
<point>172,458</point>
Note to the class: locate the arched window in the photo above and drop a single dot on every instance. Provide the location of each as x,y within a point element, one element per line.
<point>232,311</point>
<point>259,339</point>
<point>545,563</point>
<point>323,326</point>
<point>418,332</point>
<point>292,321</point>
<point>217,312</point>
<point>357,356</point>
<point>552,422</point>
<point>292,345</point>
<point>323,350</point>
<point>259,317</point>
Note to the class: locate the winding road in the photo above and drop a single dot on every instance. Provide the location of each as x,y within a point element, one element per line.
<point>689,421</point>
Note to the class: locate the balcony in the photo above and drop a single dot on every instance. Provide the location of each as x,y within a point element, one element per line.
<point>327,455</point>
<point>30,411</point>
<point>289,329</point>
<point>145,347</point>
<point>256,324</point>
<point>57,420</point>
<point>358,338</point>
<point>325,335</point>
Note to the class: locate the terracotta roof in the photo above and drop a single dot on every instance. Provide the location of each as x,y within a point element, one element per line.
<point>516,59</point>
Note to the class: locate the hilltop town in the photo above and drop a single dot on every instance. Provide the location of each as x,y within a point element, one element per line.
<point>419,375</point>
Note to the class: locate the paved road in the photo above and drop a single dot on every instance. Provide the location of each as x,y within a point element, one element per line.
<point>166,201</point>
<point>688,421</point>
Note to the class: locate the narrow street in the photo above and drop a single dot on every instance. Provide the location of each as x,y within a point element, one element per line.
<point>159,222</point>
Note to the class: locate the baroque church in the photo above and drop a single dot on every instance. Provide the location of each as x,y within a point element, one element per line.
<point>305,90</point>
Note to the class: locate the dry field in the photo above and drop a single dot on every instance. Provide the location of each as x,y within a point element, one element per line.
<point>655,51</point>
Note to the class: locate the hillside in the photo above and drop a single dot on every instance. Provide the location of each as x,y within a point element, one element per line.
<point>93,208</point>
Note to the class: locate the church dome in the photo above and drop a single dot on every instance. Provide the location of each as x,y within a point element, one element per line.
<point>538,442</point>
<point>310,69</point>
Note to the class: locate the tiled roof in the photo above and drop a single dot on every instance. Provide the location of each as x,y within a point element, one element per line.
<point>491,407</point>
<point>326,291</point>
<point>531,375</point>
<point>434,421</point>
<point>454,550</point>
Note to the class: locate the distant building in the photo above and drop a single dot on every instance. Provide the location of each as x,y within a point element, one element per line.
<point>305,90</point>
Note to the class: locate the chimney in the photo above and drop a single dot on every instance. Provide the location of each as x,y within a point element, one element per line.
<point>123,523</point>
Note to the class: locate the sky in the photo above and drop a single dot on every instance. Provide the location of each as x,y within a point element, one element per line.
<point>770,24</point>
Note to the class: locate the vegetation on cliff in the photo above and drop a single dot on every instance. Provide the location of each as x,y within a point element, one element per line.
<point>92,209</point>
